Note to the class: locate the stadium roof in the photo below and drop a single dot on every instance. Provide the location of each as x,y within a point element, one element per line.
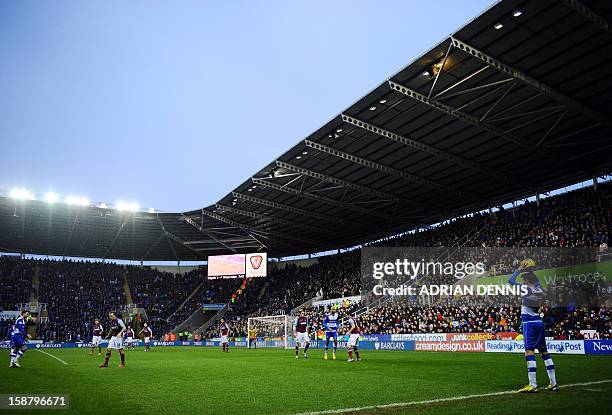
<point>516,102</point>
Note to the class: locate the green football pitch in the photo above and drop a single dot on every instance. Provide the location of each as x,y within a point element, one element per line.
<point>189,380</point>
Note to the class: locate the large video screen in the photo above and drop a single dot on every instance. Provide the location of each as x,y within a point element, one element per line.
<point>226,265</point>
<point>238,266</point>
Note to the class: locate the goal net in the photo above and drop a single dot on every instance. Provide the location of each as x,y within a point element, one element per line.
<point>269,331</point>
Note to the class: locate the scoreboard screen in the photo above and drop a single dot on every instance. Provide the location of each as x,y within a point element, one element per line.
<point>238,266</point>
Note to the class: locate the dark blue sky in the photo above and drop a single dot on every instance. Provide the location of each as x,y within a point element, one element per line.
<point>172,104</point>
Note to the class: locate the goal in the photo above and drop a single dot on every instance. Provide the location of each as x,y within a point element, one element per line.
<point>273,330</point>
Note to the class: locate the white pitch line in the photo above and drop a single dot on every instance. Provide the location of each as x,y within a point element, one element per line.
<point>434,401</point>
<point>49,354</point>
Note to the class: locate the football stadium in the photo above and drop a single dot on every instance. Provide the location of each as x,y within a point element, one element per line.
<point>439,246</point>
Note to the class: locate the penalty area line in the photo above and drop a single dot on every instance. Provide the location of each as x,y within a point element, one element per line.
<point>439,400</point>
<point>55,357</point>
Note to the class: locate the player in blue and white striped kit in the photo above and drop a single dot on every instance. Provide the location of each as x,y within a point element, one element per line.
<point>331,323</point>
<point>19,337</point>
<point>533,326</point>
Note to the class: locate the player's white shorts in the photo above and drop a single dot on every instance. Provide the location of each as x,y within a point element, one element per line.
<point>302,338</point>
<point>96,340</point>
<point>224,339</point>
<point>115,342</point>
<point>147,340</point>
<point>353,340</point>
<point>130,340</point>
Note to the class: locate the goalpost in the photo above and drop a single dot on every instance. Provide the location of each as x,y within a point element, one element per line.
<point>274,330</point>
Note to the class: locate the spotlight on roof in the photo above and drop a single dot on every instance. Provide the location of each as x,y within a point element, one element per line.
<point>372,108</point>
<point>382,101</point>
<point>517,13</point>
<point>129,207</point>
<point>426,73</point>
<point>151,210</point>
<point>21,194</point>
<point>51,197</point>
<point>78,201</point>
<point>498,26</point>
<point>298,157</point>
<point>339,130</point>
<point>305,152</point>
<point>103,205</point>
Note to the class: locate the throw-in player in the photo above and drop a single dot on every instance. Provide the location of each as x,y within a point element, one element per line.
<point>147,334</point>
<point>96,337</point>
<point>330,322</point>
<point>224,332</point>
<point>117,328</point>
<point>533,326</point>
<point>19,337</point>
<point>353,342</point>
<point>300,332</point>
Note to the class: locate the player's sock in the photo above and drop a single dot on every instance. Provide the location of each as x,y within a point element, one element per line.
<point>100,349</point>
<point>306,348</point>
<point>350,354</point>
<point>531,370</point>
<point>19,354</point>
<point>297,350</point>
<point>550,368</point>
<point>356,353</point>
<point>107,357</point>
<point>122,358</point>
<point>13,356</point>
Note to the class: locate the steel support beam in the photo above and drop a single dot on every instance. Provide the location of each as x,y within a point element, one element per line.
<point>470,120</point>
<point>296,192</point>
<point>286,222</point>
<point>589,14</point>
<point>112,244</point>
<point>205,232</point>
<point>278,234</point>
<point>171,237</point>
<point>532,82</point>
<point>335,180</point>
<point>429,149</point>
<point>152,247</point>
<point>386,169</point>
<point>291,209</point>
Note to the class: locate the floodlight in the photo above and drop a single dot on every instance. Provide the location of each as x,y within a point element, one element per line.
<point>130,206</point>
<point>21,194</point>
<point>51,197</point>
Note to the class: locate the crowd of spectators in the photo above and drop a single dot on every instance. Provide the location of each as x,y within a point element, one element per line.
<point>77,292</point>
<point>15,281</point>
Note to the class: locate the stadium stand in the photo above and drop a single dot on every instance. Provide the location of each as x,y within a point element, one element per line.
<point>77,292</point>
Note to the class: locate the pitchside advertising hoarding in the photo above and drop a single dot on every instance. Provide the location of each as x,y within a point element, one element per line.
<point>399,342</point>
<point>253,265</point>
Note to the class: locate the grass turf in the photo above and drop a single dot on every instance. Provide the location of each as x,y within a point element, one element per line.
<point>205,381</point>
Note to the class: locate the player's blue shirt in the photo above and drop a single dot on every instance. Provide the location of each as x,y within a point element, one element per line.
<point>331,322</point>
<point>531,301</point>
<point>19,328</point>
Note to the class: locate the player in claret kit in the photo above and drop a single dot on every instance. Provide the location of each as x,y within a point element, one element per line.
<point>129,338</point>
<point>117,328</point>
<point>300,332</point>
<point>331,322</point>
<point>96,337</point>
<point>533,326</point>
<point>19,337</point>
<point>147,333</point>
<point>353,341</point>
<point>224,332</point>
